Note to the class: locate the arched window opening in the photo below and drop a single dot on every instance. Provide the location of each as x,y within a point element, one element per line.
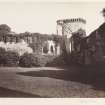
<point>52,49</point>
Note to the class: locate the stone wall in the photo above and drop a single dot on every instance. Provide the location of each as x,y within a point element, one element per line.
<point>36,41</point>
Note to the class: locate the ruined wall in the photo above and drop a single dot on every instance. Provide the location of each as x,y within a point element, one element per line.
<point>36,41</point>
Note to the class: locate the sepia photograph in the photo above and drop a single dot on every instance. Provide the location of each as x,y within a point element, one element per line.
<point>52,49</point>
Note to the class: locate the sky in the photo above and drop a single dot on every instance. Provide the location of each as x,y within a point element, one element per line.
<point>42,16</point>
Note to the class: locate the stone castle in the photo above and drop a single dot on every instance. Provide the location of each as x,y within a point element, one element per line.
<point>48,44</point>
<point>84,49</point>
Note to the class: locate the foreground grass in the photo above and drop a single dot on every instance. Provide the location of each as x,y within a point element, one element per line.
<point>92,75</point>
<point>4,92</point>
<point>74,81</point>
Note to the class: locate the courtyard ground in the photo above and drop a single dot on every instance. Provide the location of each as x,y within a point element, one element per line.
<point>51,82</point>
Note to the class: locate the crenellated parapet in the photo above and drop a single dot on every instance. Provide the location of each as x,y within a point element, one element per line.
<point>68,26</point>
<point>60,22</point>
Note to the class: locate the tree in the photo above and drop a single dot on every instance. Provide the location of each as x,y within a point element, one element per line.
<point>81,32</point>
<point>4,29</point>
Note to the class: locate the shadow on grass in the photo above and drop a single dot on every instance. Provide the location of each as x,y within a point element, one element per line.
<point>15,94</point>
<point>94,75</point>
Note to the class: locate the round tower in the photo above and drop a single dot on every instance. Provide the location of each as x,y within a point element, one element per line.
<point>68,26</point>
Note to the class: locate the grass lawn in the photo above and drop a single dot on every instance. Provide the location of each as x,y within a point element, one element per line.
<point>4,92</point>
<point>75,81</point>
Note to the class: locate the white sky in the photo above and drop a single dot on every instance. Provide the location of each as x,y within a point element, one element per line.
<point>41,16</point>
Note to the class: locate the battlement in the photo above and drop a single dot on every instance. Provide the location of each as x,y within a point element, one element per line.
<point>60,22</point>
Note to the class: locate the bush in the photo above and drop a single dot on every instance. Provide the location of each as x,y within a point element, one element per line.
<point>8,58</point>
<point>11,58</point>
<point>2,56</point>
<point>57,61</point>
<point>32,60</point>
<point>28,60</point>
<point>41,60</point>
<point>20,47</point>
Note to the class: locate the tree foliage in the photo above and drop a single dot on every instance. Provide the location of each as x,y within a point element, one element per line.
<point>4,28</point>
<point>8,58</point>
<point>27,60</point>
<point>19,48</point>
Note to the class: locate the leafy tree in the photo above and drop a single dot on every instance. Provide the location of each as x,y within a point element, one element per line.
<point>11,58</point>
<point>29,60</point>
<point>2,54</point>
<point>81,32</point>
<point>4,28</point>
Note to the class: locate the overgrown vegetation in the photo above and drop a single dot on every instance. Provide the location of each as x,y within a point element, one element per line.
<point>28,60</point>
<point>8,58</point>
<point>20,48</point>
<point>34,60</point>
<point>11,58</point>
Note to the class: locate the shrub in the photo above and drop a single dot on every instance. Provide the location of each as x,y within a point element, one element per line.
<point>11,58</point>
<point>2,56</point>
<point>21,47</point>
<point>8,58</point>
<point>32,60</point>
<point>41,60</point>
<point>28,60</point>
<point>56,61</point>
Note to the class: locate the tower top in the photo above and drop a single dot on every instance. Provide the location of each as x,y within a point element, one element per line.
<point>71,20</point>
